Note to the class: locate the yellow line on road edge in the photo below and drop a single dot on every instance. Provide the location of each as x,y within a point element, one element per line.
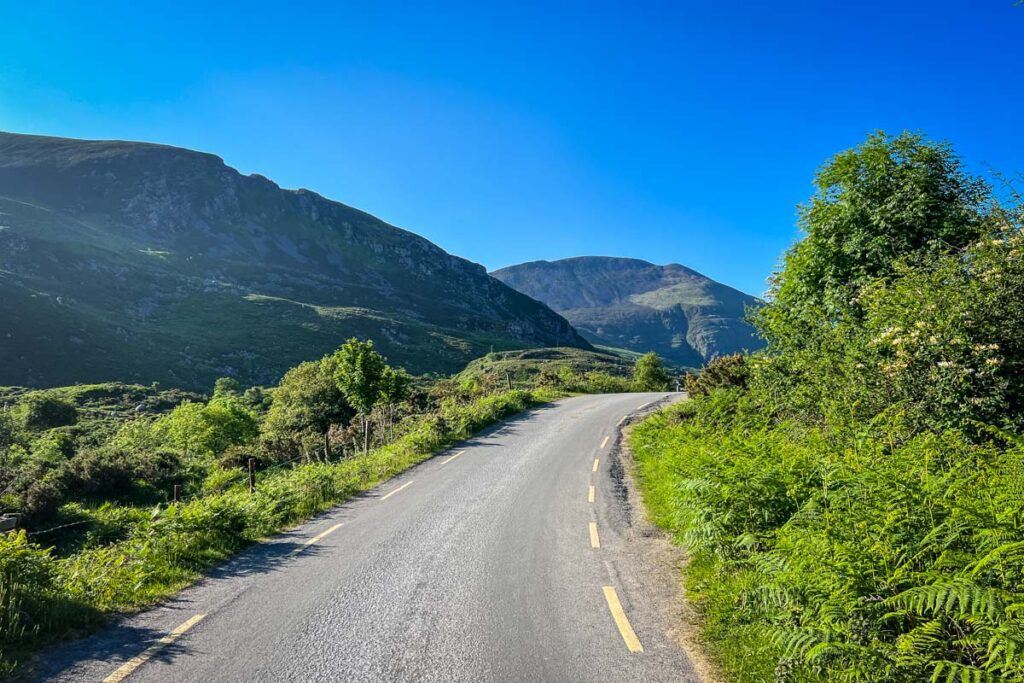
<point>622,420</point>
<point>453,457</point>
<point>396,490</point>
<point>605,442</point>
<point>625,630</point>
<point>595,542</point>
<point>315,539</point>
<point>135,662</point>
<point>596,461</point>
<point>590,495</point>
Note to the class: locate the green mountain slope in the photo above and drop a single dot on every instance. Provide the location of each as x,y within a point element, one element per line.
<point>684,316</point>
<point>139,262</point>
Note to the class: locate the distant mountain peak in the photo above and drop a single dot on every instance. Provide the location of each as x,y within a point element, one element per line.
<point>629,303</point>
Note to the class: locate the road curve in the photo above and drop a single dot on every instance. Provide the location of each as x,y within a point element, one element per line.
<point>489,562</point>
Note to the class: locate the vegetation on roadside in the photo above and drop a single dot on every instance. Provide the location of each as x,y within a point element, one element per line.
<point>93,470</point>
<point>562,369</point>
<point>853,497</point>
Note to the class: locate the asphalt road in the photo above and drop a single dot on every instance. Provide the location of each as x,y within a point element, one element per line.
<point>477,565</point>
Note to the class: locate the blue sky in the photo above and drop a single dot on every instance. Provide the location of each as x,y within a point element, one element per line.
<point>505,132</point>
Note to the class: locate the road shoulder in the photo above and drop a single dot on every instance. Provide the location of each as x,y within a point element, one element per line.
<point>660,561</point>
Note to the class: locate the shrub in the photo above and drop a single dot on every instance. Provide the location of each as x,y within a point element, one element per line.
<point>648,373</point>
<point>851,498</point>
<point>724,372</point>
<point>41,411</point>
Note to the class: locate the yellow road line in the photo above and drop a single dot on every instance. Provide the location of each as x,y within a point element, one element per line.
<point>590,495</point>
<point>396,490</point>
<point>453,457</point>
<point>622,420</point>
<point>315,539</point>
<point>605,442</point>
<point>595,542</point>
<point>645,405</point>
<point>594,468</point>
<point>135,662</point>
<point>625,630</point>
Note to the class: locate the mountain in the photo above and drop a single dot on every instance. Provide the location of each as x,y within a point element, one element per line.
<point>140,262</point>
<point>685,317</point>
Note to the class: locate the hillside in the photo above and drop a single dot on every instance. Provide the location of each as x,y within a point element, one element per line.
<point>524,367</point>
<point>140,262</point>
<point>684,316</point>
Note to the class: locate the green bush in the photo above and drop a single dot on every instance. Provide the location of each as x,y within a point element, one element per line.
<point>852,497</point>
<point>863,562</point>
<point>41,411</point>
<point>724,372</point>
<point>648,373</point>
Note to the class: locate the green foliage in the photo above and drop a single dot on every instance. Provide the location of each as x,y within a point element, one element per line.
<point>563,369</point>
<point>359,372</point>
<point>227,387</point>
<point>207,429</point>
<point>394,386</point>
<point>26,578</point>
<point>307,402</point>
<point>648,373</point>
<point>852,498</point>
<point>841,562</point>
<point>724,372</point>
<point>43,410</point>
<point>135,556</point>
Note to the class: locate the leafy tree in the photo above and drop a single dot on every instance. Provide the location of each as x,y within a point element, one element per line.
<point>648,373</point>
<point>207,429</point>
<point>394,388</point>
<point>41,411</point>
<point>226,386</point>
<point>888,199</point>
<point>359,372</point>
<point>308,401</point>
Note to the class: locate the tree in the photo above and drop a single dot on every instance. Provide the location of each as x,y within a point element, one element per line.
<point>207,429</point>
<point>394,388</point>
<point>226,386</point>
<point>648,374</point>
<point>359,371</point>
<point>308,400</point>
<point>889,199</point>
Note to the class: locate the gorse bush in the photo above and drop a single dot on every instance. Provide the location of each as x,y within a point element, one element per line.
<point>723,372</point>
<point>854,508</point>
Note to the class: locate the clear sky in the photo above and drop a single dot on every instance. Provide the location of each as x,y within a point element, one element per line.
<point>505,132</point>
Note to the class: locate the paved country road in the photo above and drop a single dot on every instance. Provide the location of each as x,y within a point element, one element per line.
<point>493,561</point>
